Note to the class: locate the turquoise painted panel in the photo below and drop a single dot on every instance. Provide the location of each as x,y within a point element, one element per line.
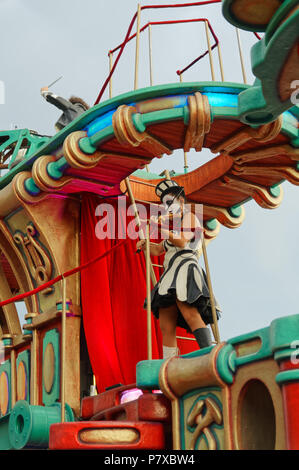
<point>24,357</point>
<point>5,368</point>
<point>202,394</point>
<point>4,437</point>
<point>52,337</point>
<point>147,372</point>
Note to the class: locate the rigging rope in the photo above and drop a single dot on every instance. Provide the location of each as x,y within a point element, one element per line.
<point>61,276</point>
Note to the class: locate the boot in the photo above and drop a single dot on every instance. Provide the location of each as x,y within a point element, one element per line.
<point>203,337</point>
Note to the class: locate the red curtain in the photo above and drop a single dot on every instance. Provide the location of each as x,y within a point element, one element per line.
<point>112,295</point>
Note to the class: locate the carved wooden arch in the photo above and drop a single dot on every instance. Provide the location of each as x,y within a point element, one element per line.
<point>8,312</point>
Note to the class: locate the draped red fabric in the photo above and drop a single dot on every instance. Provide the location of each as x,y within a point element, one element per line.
<point>112,295</point>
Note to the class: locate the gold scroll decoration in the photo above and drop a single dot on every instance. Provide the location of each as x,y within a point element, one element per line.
<point>199,122</point>
<point>223,215</point>
<point>38,261</point>
<point>42,178</point>
<point>21,192</point>
<point>264,133</point>
<point>281,172</point>
<point>204,413</point>
<point>179,377</point>
<point>127,134</point>
<point>285,150</point>
<point>210,234</point>
<point>258,192</point>
<point>74,155</point>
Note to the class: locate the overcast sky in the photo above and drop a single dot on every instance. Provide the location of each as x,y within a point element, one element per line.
<point>255,267</point>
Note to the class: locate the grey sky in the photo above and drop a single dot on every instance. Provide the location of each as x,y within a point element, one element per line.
<point>255,267</point>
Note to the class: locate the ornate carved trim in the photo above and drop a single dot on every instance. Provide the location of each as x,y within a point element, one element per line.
<point>266,152</point>
<point>42,178</point>
<point>75,157</point>
<point>258,192</point>
<point>199,122</point>
<point>21,192</point>
<point>223,215</point>
<point>18,265</point>
<point>284,171</point>
<point>203,415</point>
<point>210,234</point>
<point>127,134</point>
<point>38,261</point>
<point>178,376</point>
<point>263,133</point>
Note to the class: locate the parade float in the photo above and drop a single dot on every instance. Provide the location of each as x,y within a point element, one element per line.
<point>85,371</point>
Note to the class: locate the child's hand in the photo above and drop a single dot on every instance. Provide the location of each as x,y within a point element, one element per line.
<point>141,245</point>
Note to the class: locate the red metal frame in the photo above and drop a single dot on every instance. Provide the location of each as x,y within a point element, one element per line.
<point>168,22</point>
<point>145,7</point>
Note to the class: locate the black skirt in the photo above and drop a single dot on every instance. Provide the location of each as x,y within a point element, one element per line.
<point>184,280</point>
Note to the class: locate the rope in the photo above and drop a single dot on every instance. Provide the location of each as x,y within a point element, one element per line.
<point>61,276</point>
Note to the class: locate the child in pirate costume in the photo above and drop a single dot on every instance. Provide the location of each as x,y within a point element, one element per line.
<point>181,297</point>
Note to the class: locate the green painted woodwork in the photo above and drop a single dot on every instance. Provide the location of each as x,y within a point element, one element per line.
<point>21,138</point>
<point>284,332</point>
<point>4,438</point>
<point>101,136</point>
<point>29,424</point>
<point>221,112</point>
<point>275,190</point>
<point>227,11</point>
<point>31,187</point>
<point>7,341</point>
<point>261,103</point>
<point>278,17</point>
<point>287,376</point>
<point>55,169</point>
<point>235,211</point>
<point>211,224</point>
<point>217,430</point>
<point>280,340</point>
<point>24,357</point>
<point>52,144</point>
<point>6,368</point>
<point>164,115</point>
<point>50,397</point>
<point>276,340</point>
<point>147,374</point>
<point>67,304</point>
<point>146,175</point>
<point>90,144</point>
<point>226,363</point>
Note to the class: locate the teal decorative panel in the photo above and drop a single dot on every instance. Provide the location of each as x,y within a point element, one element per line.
<point>201,420</point>
<point>5,388</point>
<point>23,375</point>
<point>51,367</point>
